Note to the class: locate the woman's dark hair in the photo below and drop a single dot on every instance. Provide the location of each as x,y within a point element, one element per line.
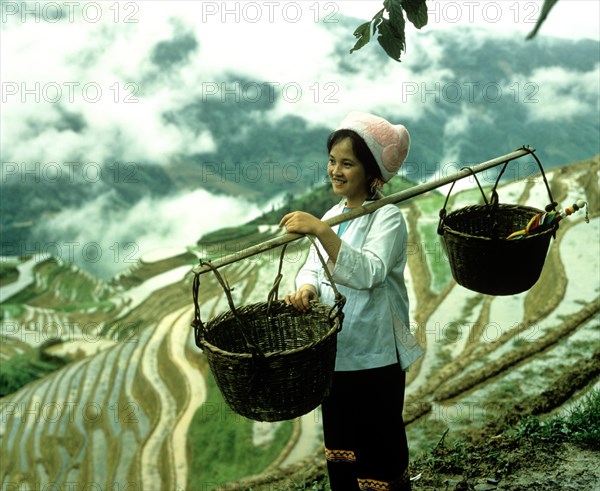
<point>362,152</point>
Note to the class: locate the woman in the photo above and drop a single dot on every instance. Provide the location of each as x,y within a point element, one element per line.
<point>364,435</point>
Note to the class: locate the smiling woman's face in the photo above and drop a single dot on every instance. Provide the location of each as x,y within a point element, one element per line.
<point>347,173</point>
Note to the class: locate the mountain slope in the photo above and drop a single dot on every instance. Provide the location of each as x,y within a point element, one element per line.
<point>130,406</point>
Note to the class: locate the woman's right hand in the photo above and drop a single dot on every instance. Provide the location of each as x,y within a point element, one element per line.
<point>302,298</point>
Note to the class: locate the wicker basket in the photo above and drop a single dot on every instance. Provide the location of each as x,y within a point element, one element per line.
<point>480,256</point>
<point>270,362</point>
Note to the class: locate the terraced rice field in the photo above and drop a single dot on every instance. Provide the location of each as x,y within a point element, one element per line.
<point>118,416</point>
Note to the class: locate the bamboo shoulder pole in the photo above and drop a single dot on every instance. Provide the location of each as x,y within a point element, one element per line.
<point>368,208</point>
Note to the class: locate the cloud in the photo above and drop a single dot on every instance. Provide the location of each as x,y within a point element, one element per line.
<point>122,96</point>
<point>457,130</point>
<point>103,91</point>
<point>295,53</point>
<point>93,70</point>
<point>564,95</point>
<point>106,238</point>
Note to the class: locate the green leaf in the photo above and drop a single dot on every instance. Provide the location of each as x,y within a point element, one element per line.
<point>391,39</point>
<point>416,12</point>
<point>396,16</point>
<point>391,30</point>
<point>548,4</point>
<point>394,8</point>
<point>377,18</point>
<point>363,33</point>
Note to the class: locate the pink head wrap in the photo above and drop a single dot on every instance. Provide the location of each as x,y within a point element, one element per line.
<point>388,143</point>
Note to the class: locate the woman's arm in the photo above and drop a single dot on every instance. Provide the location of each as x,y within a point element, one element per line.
<point>385,245</point>
<point>305,223</point>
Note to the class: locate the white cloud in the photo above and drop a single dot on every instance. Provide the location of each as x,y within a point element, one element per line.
<point>122,236</point>
<point>93,70</point>
<point>457,128</point>
<point>563,95</point>
<point>289,49</point>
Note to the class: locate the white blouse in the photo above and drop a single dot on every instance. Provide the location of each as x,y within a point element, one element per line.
<point>369,272</point>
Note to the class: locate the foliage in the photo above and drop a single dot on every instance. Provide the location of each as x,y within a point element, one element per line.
<point>21,369</point>
<point>221,443</point>
<point>391,28</point>
<point>228,233</point>
<point>580,425</point>
<point>548,5</point>
<point>8,273</point>
<point>431,249</point>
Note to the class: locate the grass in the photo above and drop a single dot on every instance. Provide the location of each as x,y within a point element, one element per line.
<point>443,357</point>
<point>431,204</point>
<point>231,233</point>
<point>8,272</point>
<point>105,305</point>
<point>11,311</point>
<point>506,392</point>
<point>21,369</point>
<point>500,453</point>
<point>581,425</point>
<point>321,484</point>
<point>221,443</point>
<point>437,260</point>
<point>424,435</point>
<point>62,287</point>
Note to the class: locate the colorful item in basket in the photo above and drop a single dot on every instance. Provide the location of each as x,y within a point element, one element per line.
<point>542,221</point>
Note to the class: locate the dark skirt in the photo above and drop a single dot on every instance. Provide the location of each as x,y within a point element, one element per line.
<point>365,439</point>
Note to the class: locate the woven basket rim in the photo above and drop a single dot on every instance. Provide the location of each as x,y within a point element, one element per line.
<point>448,230</point>
<point>500,205</point>
<point>455,233</point>
<point>272,354</point>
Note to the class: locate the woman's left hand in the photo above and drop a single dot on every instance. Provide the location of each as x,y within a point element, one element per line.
<point>300,222</point>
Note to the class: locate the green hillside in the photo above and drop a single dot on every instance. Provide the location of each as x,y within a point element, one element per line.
<point>123,395</point>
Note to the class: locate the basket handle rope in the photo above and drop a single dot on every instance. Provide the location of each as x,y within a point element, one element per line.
<point>443,210</point>
<point>256,352</point>
<point>275,289</point>
<point>197,322</point>
<point>494,200</point>
<point>552,205</point>
<point>199,327</point>
<point>340,300</point>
